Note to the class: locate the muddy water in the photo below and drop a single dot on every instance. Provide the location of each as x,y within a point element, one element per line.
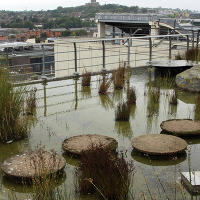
<point>66,109</point>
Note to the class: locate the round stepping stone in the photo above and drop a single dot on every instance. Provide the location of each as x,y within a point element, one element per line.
<point>78,144</point>
<point>33,164</point>
<point>181,127</point>
<point>159,144</point>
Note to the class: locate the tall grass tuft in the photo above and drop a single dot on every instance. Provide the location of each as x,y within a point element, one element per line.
<point>192,54</point>
<point>86,79</point>
<point>131,96</point>
<point>105,173</point>
<point>104,86</point>
<point>31,102</point>
<point>118,77</point>
<point>122,113</point>
<point>45,178</point>
<point>13,124</point>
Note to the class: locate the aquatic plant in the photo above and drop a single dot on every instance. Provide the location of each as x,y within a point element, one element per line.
<point>86,79</point>
<point>192,54</point>
<point>104,86</point>
<point>118,77</point>
<point>131,96</point>
<point>14,125</point>
<point>45,182</point>
<point>122,113</point>
<point>104,172</point>
<point>31,102</point>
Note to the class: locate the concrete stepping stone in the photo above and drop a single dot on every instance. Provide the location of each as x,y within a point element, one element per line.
<point>33,164</point>
<point>181,127</point>
<point>159,144</point>
<point>78,144</point>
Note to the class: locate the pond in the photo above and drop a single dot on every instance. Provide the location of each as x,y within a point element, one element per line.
<point>65,109</point>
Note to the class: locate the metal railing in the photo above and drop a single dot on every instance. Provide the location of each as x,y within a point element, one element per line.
<point>72,57</point>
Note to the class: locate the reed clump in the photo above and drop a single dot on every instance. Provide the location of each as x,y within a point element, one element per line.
<point>131,96</point>
<point>192,54</point>
<point>104,86</point>
<point>86,79</point>
<point>118,77</point>
<point>45,181</point>
<point>14,125</point>
<point>122,113</point>
<point>31,102</point>
<point>102,171</point>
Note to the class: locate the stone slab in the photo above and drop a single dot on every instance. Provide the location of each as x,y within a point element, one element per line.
<point>78,144</point>
<point>159,144</point>
<point>181,127</point>
<point>33,164</point>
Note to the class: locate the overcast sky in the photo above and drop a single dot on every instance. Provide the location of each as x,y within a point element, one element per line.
<point>52,4</point>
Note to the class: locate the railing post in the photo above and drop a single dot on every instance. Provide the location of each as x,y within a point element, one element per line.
<point>192,39</point>
<point>75,60</point>
<point>198,33</point>
<point>170,48</point>
<point>150,50</point>
<point>129,51</point>
<point>104,53</point>
<point>188,42</point>
<point>43,61</point>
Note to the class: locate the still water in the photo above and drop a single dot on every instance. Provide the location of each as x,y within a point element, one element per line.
<point>66,109</point>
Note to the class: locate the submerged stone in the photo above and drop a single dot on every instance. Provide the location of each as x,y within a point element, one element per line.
<point>159,144</point>
<point>78,144</point>
<point>33,164</point>
<point>181,127</point>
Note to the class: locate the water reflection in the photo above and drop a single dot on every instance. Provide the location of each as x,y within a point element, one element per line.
<point>158,161</point>
<point>45,98</point>
<point>86,92</point>
<point>124,128</point>
<point>106,102</point>
<point>28,188</point>
<point>76,94</point>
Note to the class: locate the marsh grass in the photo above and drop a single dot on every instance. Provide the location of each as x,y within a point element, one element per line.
<point>131,96</point>
<point>45,180</point>
<point>104,86</point>
<point>31,102</point>
<point>86,79</point>
<point>192,54</point>
<point>118,77</point>
<point>104,172</point>
<point>13,124</point>
<point>122,112</point>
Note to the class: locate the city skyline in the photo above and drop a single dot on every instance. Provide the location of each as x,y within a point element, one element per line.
<point>20,5</point>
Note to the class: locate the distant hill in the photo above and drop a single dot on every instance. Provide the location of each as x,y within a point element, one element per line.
<point>69,17</point>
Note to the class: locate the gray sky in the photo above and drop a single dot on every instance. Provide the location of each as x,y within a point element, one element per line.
<point>49,4</point>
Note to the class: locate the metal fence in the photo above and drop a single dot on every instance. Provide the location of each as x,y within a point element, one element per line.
<point>68,57</point>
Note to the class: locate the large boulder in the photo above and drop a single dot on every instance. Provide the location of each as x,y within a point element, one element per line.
<point>189,79</point>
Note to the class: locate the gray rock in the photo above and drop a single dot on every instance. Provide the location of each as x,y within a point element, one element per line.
<point>189,79</point>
